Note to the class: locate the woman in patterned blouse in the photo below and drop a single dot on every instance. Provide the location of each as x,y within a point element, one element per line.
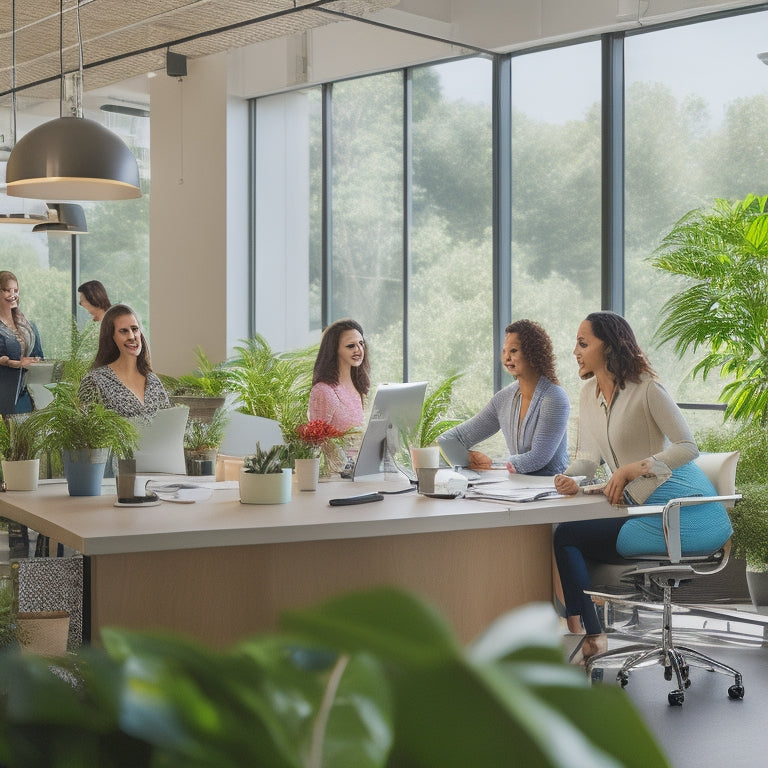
<point>121,375</point>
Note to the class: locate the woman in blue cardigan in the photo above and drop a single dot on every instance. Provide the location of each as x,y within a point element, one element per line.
<point>19,348</point>
<point>532,412</point>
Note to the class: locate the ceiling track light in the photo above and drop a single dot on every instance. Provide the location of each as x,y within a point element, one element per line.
<point>72,157</point>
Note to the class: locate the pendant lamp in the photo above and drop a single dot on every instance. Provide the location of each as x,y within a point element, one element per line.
<point>17,210</point>
<point>72,157</point>
<point>67,218</point>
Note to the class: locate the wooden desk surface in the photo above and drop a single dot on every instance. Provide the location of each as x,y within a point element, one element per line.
<point>93,526</point>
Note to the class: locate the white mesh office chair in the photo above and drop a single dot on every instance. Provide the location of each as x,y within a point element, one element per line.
<point>654,576</point>
<point>245,430</point>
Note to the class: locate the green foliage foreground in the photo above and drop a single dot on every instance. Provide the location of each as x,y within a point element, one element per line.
<point>365,680</point>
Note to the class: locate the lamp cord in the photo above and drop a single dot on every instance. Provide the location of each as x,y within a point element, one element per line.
<point>13,73</point>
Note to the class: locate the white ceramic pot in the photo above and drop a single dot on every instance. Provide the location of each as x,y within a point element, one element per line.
<point>21,475</point>
<point>307,473</point>
<point>265,489</point>
<point>426,458</point>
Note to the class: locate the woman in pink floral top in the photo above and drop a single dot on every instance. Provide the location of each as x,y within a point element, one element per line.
<point>341,376</point>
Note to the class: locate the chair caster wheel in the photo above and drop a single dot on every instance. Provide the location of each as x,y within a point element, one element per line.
<point>736,692</point>
<point>687,684</point>
<point>676,698</point>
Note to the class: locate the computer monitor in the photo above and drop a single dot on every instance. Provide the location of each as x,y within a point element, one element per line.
<point>395,413</point>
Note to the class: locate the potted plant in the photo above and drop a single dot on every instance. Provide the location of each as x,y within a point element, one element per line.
<point>85,433</point>
<point>203,391</point>
<point>749,517</point>
<point>270,384</point>
<point>370,679</point>
<point>263,480</point>
<point>433,422</point>
<point>202,440</point>
<point>20,447</point>
<point>306,445</point>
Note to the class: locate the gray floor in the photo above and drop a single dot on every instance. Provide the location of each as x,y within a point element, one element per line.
<point>709,729</point>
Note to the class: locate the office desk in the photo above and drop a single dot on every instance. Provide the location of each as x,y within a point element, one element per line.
<point>220,570</point>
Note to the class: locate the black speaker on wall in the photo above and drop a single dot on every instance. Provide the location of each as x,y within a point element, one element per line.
<point>175,64</point>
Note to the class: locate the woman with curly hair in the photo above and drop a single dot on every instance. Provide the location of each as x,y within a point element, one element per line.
<point>628,421</point>
<point>341,377</point>
<point>532,412</point>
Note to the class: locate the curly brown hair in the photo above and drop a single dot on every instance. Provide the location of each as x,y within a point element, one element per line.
<point>536,347</point>
<point>623,356</point>
<point>326,368</point>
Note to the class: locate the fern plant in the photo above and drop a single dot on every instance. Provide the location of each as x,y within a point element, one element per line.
<point>722,254</point>
<point>68,424</point>
<point>206,435</point>
<point>265,462</point>
<point>20,438</point>
<point>434,421</point>
<point>208,380</point>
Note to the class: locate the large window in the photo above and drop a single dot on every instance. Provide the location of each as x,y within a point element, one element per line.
<point>696,130</point>
<point>408,186</point>
<point>556,191</point>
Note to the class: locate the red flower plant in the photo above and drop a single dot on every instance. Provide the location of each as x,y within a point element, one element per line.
<point>317,431</point>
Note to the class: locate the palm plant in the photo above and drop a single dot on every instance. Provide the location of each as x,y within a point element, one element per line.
<point>20,438</point>
<point>202,435</point>
<point>433,421</point>
<point>82,351</point>
<point>723,254</point>
<point>209,379</point>
<point>274,386</point>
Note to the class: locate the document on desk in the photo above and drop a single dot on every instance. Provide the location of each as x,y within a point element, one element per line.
<point>516,495</point>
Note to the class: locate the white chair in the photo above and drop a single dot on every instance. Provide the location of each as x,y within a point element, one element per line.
<point>161,442</point>
<point>245,430</point>
<point>660,575</point>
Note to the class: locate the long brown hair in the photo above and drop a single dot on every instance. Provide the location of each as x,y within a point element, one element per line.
<point>108,351</point>
<point>623,357</point>
<point>326,368</point>
<point>95,294</point>
<point>536,347</point>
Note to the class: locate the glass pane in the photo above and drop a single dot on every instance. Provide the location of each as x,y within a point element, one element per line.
<point>556,189</point>
<point>697,124</point>
<point>451,290</point>
<point>367,215</point>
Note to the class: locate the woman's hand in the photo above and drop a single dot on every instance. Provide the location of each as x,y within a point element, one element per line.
<point>8,363</point>
<point>566,485</point>
<point>27,361</point>
<point>511,468</point>
<point>479,461</point>
<point>614,488</point>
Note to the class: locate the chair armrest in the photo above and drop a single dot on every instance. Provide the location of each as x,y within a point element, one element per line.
<point>670,519</point>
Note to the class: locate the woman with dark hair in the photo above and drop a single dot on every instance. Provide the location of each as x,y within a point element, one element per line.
<point>94,299</point>
<point>341,377</point>
<point>20,347</point>
<point>532,412</point>
<point>121,375</point>
<point>628,421</point>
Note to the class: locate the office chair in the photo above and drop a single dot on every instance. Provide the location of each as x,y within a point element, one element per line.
<point>161,442</point>
<point>659,575</point>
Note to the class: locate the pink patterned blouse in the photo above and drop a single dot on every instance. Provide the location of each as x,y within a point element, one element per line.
<point>337,405</point>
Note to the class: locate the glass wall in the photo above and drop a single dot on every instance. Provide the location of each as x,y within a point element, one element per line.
<point>450,327</point>
<point>411,223</point>
<point>696,130</point>
<point>556,188</point>
<point>367,214</point>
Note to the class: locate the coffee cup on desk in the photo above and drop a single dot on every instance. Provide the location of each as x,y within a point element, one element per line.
<point>425,479</point>
<point>126,479</point>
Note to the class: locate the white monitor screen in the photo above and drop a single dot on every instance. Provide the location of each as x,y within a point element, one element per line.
<point>396,411</point>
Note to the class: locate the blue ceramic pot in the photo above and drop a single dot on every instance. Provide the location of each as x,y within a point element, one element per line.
<point>84,470</point>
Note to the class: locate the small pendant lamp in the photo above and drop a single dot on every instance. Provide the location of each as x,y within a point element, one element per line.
<point>72,157</point>
<point>67,218</point>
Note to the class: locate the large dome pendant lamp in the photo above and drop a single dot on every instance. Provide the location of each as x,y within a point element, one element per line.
<point>72,157</point>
